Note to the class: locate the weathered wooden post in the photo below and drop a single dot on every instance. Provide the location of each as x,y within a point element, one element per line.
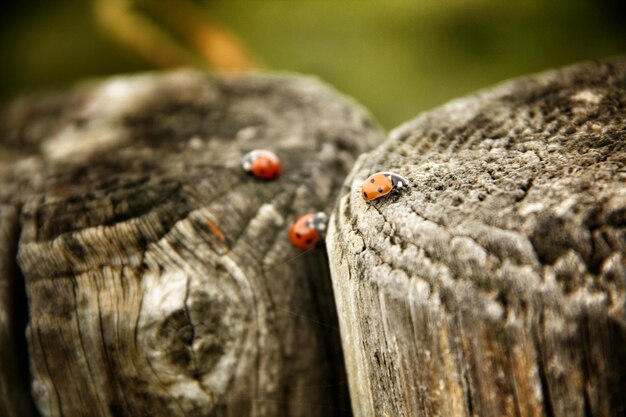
<point>495,286</point>
<point>15,398</point>
<point>159,275</point>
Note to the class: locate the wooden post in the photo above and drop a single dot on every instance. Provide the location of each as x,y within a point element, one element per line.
<point>495,285</point>
<point>159,275</point>
<point>15,400</point>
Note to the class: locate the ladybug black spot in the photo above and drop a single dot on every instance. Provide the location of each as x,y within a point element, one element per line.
<point>380,190</point>
<point>309,241</point>
<point>298,235</point>
<point>364,194</point>
<point>372,181</point>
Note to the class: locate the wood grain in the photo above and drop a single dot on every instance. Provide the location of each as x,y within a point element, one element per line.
<point>159,275</point>
<point>15,400</point>
<point>494,286</point>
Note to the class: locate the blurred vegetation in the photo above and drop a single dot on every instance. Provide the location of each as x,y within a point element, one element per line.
<point>397,57</point>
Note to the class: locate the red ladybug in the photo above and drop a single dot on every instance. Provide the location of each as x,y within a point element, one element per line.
<point>308,229</point>
<point>262,164</point>
<point>381,184</point>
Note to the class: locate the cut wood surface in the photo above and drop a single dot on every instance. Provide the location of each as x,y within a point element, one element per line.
<point>159,276</point>
<point>495,285</point>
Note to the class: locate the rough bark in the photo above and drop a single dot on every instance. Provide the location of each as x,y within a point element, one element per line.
<point>495,285</point>
<point>159,276</point>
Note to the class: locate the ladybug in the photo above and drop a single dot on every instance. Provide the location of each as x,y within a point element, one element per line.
<point>382,183</point>
<point>308,229</point>
<point>262,164</point>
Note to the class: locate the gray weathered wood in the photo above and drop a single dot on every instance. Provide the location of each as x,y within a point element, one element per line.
<point>159,275</point>
<point>495,286</point>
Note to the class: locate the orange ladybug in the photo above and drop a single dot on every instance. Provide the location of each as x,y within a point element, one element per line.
<point>308,229</point>
<point>382,183</point>
<point>262,164</point>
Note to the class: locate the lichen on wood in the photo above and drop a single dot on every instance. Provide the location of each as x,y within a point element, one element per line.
<point>495,285</point>
<point>159,276</point>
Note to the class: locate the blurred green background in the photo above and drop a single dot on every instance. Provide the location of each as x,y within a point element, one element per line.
<point>397,57</point>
